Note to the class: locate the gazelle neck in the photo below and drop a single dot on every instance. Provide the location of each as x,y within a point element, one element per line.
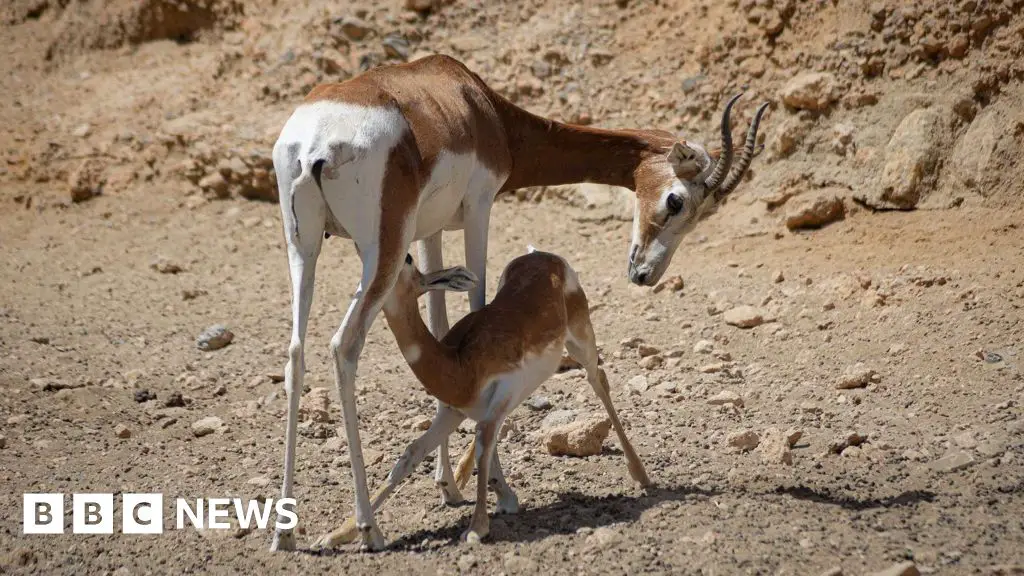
<point>434,364</point>
<point>549,153</point>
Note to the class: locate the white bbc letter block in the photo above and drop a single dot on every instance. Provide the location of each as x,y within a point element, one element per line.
<point>92,514</point>
<point>43,513</point>
<point>142,513</point>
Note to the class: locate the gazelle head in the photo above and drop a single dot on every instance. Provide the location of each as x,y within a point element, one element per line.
<point>412,283</point>
<point>673,192</point>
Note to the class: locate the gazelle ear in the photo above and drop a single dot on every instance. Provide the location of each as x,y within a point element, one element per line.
<point>455,279</point>
<point>684,160</point>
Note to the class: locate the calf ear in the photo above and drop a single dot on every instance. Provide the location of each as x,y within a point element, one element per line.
<point>685,161</point>
<point>456,279</point>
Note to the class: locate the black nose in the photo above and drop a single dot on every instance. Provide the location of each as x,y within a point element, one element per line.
<point>641,278</point>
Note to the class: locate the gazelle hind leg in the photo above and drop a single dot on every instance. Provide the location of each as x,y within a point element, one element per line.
<point>381,266</point>
<point>508,502</point>
<point>500,404</point>
<point>486,437</point>
<point>303,212</point>
<point>445,422</point>
<point>431,260</point>
<point>582,346</point>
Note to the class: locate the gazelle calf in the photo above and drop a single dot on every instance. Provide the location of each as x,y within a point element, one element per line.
<point>489,363</point>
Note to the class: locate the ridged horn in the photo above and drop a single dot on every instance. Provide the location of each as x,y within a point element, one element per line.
<point>749,148</point>
<point>725,159</point>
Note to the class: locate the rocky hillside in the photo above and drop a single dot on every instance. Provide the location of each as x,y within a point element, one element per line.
<point>884,104</point>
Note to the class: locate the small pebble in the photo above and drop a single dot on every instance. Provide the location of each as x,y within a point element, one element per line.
<point>214,338</point>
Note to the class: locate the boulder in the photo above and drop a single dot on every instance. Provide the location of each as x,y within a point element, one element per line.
<point>911,161</point>
<point>815,210</point>
<point>581,438</point>
<point>814,91</point>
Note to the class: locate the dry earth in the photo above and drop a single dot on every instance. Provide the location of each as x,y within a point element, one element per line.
<point>136,147</point>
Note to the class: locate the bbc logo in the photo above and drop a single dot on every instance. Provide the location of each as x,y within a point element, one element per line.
<point>144,513</point>
<point>93,513</point>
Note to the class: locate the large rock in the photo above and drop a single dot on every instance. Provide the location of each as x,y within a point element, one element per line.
<point>856,376</point>
<point>207,426</point>
<point>985,160</point>
<point>315,405</point>
<point>743,440</point>
<point>774,447</point>
<point>744,317</point>
<point>583,437</point>
<point>911,161</point>
<point>814,91</point>
<point>789,134</point>
<point>815,210</point>
<point>214,338</point>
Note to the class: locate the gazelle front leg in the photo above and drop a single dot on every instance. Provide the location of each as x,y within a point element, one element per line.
<point>380,271</point>
<point>431,260</point>
<point>582,346</point>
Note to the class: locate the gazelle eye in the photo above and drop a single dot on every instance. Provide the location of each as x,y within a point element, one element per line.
<point>674,203</point>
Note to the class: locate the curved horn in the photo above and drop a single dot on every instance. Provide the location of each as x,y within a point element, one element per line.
<point>725,160</point>
<point>745,156</point>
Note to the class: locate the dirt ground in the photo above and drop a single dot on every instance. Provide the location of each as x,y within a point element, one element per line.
<point>929,301</point>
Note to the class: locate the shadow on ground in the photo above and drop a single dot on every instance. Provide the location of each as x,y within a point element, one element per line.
<point>567,515</point>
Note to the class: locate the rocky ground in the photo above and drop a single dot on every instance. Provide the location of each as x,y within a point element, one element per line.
<point>831,382</point>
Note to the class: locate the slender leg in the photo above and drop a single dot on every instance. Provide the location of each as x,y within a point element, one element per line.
<point>304,234</point>
<point>445,422</point>
<point>378,278</point>
<point>508,502</point>
<point>486,437</point>
<point>477,220</point>
<point>431,260</point>
<point>582,346</point>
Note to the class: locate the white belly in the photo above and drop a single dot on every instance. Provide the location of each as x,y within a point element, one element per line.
<point>516,386</point>
<point>456,179</point>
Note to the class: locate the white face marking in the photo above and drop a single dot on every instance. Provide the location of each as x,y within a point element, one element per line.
<point>665,229</point>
